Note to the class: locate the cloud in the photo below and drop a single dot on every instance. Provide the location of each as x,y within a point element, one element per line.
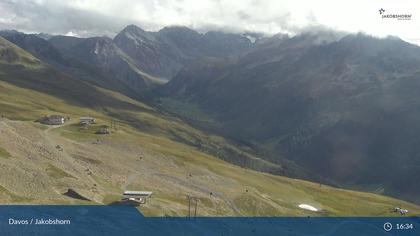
<point>55,18</point>
<point>107,17</point>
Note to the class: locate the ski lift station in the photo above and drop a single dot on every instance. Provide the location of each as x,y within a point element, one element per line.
<point>139,196</point>
<point>87,120</point>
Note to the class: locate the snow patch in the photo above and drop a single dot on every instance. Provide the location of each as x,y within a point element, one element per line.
<point>252,39</point>
<point>308,207</point>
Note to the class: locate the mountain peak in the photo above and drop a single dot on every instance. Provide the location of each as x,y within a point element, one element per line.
<point>369,43</point>
<point>133,29</point>
<point>45,36</point>
<point>134,33</point>
<point>178,30</point>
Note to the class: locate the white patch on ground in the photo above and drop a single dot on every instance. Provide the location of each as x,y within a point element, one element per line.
<point>307,207</point>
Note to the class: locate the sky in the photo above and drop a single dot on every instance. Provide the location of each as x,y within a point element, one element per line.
<point>105,17</point>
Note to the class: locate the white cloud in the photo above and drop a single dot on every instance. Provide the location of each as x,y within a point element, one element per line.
<point>98,17</point>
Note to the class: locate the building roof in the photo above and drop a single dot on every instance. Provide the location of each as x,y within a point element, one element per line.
<point>86,118</point>
<point>56,117</point>
<point>142,193</point>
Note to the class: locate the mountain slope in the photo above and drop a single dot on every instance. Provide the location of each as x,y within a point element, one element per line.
<point>165,52</point>
<point>35,45</point>
<point>48,53</point>
<point>46,164</point>
<point>148,52</point>
<point>344,108</point>
<point>139,59</point>
<point>100,53</point>
<point>11,54</point>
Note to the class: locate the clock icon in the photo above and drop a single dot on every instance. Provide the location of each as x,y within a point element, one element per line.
<point>387,227</point>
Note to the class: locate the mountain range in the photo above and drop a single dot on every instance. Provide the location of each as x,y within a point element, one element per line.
<point>137,58</point>
<point>333,108</point>
<point>343,107</point>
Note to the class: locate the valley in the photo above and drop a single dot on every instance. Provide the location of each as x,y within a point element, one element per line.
<point>344,108</point>
<point>100,168</point>
<point>148,148</point>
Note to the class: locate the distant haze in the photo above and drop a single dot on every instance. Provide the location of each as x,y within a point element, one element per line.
<point>105,17</point>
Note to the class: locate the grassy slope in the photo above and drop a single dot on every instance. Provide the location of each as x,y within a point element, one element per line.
<point>142,153</point>
<point>11,54</point>
<point>169,164</point>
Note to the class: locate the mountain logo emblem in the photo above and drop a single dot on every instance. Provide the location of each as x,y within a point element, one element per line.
<point>381,11</point>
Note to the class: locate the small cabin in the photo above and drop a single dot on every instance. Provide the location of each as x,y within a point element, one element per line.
<point>139,196</point>
<point>104,129</point>
<point>87,120</point>
<point>53,120</point>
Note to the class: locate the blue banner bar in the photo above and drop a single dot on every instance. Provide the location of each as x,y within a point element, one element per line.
<point>127,220</point>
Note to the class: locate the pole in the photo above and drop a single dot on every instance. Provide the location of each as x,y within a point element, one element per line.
<point>189,206</point>
<point>195,210</point>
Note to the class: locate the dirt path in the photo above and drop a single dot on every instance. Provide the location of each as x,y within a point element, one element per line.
<point>56,140</point>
